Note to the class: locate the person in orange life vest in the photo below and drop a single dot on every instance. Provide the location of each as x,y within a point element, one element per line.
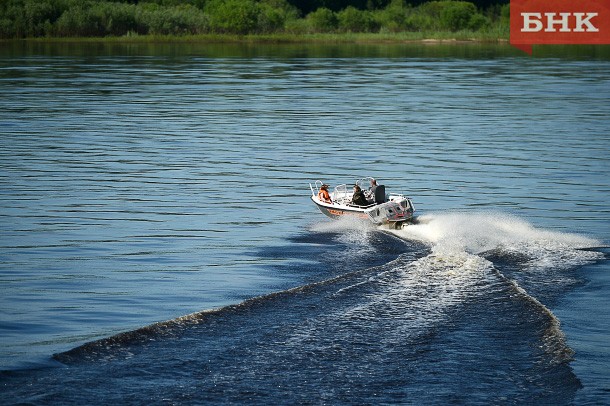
<point>323,194</point>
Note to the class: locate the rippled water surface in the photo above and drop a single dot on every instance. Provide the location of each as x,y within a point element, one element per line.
<point>152,184</point>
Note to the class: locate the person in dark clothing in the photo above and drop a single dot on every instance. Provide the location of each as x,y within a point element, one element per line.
<point>358,198</point>
<point>373,187</point>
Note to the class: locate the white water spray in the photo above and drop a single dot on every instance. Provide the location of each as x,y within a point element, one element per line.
<point>457,241</point>
<point>475,233</point>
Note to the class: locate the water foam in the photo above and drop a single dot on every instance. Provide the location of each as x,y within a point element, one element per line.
<point>343,224</point>
<point>476,233</point>
<point>457,241</point>
<point>356,235</point>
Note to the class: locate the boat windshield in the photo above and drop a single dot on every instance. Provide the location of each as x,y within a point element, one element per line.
<point>342,194</point>
<point>364,183</point>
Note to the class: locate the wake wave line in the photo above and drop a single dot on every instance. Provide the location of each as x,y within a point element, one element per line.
<point>116,346</point>
<point>453,237</point>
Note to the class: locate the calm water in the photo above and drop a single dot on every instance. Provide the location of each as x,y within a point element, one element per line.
<point>158,245</point>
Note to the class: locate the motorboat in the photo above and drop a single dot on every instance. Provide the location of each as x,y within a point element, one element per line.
<point>391,209</point>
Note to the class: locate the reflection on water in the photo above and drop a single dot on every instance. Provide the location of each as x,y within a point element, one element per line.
<point>432,49</point>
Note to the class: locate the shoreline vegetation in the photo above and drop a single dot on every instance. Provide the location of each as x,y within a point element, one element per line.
<point>338,38</point>
<point>254,21</point>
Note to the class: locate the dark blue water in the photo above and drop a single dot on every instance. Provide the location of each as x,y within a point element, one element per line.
<point>158,245</point>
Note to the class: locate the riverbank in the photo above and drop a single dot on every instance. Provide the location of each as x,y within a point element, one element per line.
<point>437,44</point>
<point>288,38</point>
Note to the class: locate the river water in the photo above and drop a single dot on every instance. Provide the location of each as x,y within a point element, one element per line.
<point>158,244</point>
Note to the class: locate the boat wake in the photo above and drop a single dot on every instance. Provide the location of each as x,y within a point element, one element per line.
<point>476,233</point>
<point>468,248</point>
<point>471,258</point>
<point>454,309</point>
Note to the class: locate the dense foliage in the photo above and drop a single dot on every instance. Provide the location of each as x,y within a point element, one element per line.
<point>88,18</point>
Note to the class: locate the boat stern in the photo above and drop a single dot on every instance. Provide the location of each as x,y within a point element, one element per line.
<point>392,213</point>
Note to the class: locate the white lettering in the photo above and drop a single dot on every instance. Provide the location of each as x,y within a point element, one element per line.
<point>528,21</point>
<point>532,22</point>
<point>551,21</point>
<point>587,21</point>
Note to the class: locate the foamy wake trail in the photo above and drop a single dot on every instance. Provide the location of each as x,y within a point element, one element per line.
<point>353,232</point>
<point>343,224</point>
<point>456,268</point>
<point>480,232</point>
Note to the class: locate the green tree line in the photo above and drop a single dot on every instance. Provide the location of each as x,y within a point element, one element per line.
<point>95,18</point>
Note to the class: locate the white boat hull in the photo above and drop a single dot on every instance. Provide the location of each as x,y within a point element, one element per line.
<point>396,211</point>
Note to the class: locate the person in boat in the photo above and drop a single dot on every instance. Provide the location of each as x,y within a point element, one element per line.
<point>376,192</point>
<point>358,197</point>
<point>373,187</point>
<point>323,194</point>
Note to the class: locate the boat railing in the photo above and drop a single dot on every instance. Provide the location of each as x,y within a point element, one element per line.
<point>343,195</point>
<point>317,185</point>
